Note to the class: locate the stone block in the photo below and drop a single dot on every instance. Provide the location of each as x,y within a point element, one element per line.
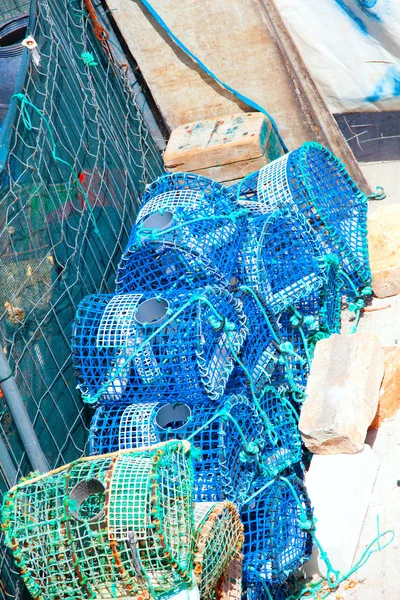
<point>342,393</point>
<point>340,487</point>
<point>389,397</point>
<point>384,250</point>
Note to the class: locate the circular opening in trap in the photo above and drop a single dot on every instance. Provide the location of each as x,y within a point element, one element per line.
<point>89,497</point>
<point>173,416</point>
<point>152,311</point>
<point>159,220</point>
<point>13,32</point>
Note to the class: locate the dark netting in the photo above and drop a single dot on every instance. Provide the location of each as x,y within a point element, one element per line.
<point>170,345</point>
<point>11,9</point>
<point>276,523</point>
<point>75,156</point>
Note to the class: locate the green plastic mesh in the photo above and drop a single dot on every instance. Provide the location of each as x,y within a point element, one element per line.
<point>112,526</point>
<point>218,541</point>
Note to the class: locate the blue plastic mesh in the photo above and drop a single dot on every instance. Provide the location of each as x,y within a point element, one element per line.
<point>104,429</point>
<point>259,354</point>
<point>276,540</point>
<point>283,447</point>
<point>316,183</point>
<point>296,368</point>
<point>162,266</point>
<point>192,213</point>
<point>173,347</point>
<point>227,465</point>
<point>123,427</point>
<point>245,190</point>
<point>304,323</point>
<point>280,258</point>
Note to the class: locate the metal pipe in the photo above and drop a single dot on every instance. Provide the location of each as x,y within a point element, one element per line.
<point>7,464</point>
<point>21,418</point>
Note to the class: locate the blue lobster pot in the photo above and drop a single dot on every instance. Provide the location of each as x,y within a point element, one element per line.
<point>280,259</point>
<point>277,524</point>
<point>228,438</point>
<point>312,181</point>
<point>194,214</point>
<point>162,266</point>
<point>170,346</point>
<point>273,438</point>
<point>12,33</point>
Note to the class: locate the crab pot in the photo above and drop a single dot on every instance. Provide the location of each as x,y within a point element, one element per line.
<point>195,214</point>
<point>218,540</point>
<point>280,259</point>
<point>171,346</point>
<point>259,355</point>
<point>276,524</point>
<point>314,182</point>
<point>226,467</point>
<point>161,266</point>
<point>315,317</point>
<point>107,527</point>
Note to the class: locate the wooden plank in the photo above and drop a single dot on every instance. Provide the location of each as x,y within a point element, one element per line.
<point>232,39</point>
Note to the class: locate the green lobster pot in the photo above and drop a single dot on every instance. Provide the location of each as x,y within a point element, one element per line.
<point>115,526</point>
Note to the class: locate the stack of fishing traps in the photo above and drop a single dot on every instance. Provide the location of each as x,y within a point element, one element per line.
<point>196,367</point>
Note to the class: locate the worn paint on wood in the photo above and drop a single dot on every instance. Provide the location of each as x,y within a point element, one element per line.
<point>225,148</point>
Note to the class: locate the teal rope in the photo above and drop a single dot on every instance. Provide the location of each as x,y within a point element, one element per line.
<point>379,194</point>
<point>26,118</point>
<point>197,60</point>
<point>143,231</point>
<point>313,590</point>
<point>282,347</point>
<point>357,306</point>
